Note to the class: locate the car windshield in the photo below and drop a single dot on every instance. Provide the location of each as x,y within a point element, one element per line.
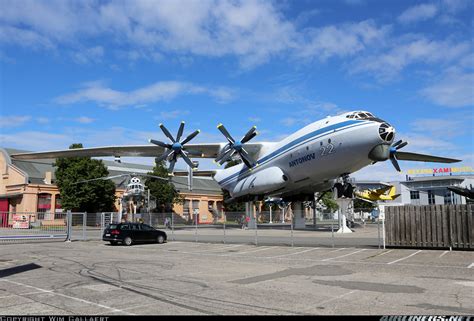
<point>113,226</point>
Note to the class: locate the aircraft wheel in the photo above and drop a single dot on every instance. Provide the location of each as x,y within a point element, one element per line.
<point>348,191</point>
<point>340,189</point>
<point>128,241</point>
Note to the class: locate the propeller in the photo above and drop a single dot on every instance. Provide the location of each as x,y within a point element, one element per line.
<point>176,148</point>
<point>236,147</point>
<point>393,153</point>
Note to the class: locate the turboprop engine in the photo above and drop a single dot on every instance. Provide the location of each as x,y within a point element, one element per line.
<point>269,179</point>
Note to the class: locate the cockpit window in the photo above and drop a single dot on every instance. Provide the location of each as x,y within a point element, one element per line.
<point>360,115</point>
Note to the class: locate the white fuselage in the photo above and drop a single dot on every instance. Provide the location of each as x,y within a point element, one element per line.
<point>310,159</point>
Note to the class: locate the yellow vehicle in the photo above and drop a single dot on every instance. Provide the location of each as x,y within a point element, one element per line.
<point>386,193</point>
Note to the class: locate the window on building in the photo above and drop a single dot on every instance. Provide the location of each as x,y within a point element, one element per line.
<point>431,197</point>
<point>448,197</point>
<point>414,195</point>
<point>44,205</point>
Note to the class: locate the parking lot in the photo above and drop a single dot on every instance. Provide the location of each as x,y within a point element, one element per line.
<point>194,278</point>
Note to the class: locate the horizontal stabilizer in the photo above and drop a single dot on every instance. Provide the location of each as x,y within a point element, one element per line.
<point>424,158</point>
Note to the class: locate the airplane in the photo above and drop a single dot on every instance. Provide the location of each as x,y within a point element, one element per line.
<point>463,191</point>
<point>379,194</point>
<point>316,158</point>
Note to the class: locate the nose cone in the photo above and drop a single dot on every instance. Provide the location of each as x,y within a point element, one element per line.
<point>386,133</point>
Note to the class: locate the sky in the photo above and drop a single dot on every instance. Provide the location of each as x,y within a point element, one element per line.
<point>107,73</point>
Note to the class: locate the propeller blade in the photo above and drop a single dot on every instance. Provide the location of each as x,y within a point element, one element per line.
<point>99,179</point>
<point>161,144</point>
<point>249,135</point>
<point>180,131</point>
<point>172,164</point>
<point>164,156</point>
<point>401,145</point>
<point>397,143</point>
<point>227,157</point>
<point>226,133</point>
<point>424,158</point>
<point>224,151</point>
<point>167,133</point>
<point>246,158</point>
<point>395,163</point>
<point>190,137</point>
<point>156,177</point>
<point>187,160</point>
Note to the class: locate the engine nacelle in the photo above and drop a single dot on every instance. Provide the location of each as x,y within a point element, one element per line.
<point>264,181</point>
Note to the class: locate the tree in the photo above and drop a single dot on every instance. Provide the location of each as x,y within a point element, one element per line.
<point>91,197</point>
<point>360,205</point>
<point>329,202</point>
<point>163,190</point>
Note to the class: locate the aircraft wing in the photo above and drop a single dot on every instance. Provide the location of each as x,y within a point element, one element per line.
<point>198,151</point>
<point>382,190</point>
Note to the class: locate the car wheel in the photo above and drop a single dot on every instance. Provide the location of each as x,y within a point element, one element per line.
<point>160,239</point>
<point>128,241</point>
<point>113,242</point>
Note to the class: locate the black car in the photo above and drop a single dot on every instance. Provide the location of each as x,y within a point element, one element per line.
<point>130,233</point>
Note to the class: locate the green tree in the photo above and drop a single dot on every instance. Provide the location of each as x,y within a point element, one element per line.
<point>360,205</point>
<point>329,202</point>
<point>163,190</point>
<point>95,196</point>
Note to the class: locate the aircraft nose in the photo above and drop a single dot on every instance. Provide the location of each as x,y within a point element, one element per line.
<point>386,132</point>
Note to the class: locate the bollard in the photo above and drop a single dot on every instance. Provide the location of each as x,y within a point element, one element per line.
<point>172,227</point>
<point>291,227</point>
<point>224,232</point>
<point>378,231</point>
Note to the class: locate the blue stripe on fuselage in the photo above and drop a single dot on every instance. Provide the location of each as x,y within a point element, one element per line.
<point>288,146</point>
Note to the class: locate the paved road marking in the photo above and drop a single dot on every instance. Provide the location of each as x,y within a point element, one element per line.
<point>444,253</point>
<point>69,297</point>
<point>283,255</point>
<point>338,297</point>
<point>221,248</point>
<point>332,258</point>
<point>22,294</point>
<point>471,265</point>
<point>385,253</point>
<point>263,248</point>
<point>404,258</point>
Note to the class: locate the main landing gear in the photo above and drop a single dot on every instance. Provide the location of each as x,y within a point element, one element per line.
<point>344,189</point>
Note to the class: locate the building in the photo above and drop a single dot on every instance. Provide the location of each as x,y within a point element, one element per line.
<point>28,186</point>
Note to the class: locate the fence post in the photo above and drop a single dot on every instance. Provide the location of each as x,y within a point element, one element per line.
<point>69,226</point>
<point>291,224</point>
<point>332,232</point>
<point>224,228</point>
<point>256,224</point>
<point>378,231</point>
<point>84,223</point>
<point>172,226</point>
<point>196,231</point>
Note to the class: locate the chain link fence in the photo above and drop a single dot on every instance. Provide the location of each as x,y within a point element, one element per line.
<point>305,227</point>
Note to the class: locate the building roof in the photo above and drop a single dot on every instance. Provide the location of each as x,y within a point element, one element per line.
<point>36,170</point>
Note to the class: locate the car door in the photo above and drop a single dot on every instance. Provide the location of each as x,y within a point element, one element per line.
<point>149,233</point>
<point>136,232</point>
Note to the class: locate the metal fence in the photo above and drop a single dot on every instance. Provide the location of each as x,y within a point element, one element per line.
<point>32,226</point>
<point>292,228</point>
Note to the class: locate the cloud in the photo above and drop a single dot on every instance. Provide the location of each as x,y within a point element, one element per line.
<point>418,13</point>
<point>173,114</point>
<point>388,65</point>
<point>341,41</point>
<point>84,120</point>
<point>455,89</point>
<point>13,121</point>
<point>159,91</point>
<point>89,55</point>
